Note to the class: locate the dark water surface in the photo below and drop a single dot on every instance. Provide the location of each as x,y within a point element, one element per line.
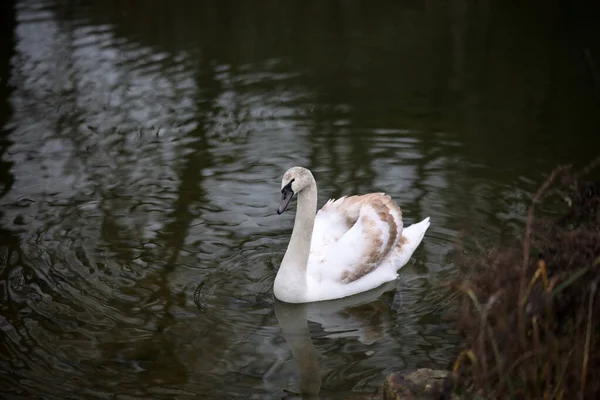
<point>142,148</point>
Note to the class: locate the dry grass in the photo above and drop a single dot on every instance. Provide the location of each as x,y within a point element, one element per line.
<point>530,313</point>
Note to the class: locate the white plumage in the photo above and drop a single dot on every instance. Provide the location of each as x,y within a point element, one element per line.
<point>351,245</point>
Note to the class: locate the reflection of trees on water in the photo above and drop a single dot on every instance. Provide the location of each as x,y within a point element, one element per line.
<point>102,209</point>
<point>456,65</point>
<point>10,249</point>
<point>190,194</point>
<point>7,45</point>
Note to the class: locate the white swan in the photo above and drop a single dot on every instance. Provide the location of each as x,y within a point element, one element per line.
<point>351,245</point>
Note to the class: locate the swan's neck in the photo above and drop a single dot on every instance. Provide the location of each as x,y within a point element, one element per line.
<point>299,246</point>
<point>291,277</point>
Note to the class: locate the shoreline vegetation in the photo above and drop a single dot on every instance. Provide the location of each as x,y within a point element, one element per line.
<point>529,311</point>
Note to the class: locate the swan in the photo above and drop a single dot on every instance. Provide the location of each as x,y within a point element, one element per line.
<point>351,245</point>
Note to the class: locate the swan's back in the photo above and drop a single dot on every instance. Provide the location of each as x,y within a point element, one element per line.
<point>355,235</point>
<point>373,217</point>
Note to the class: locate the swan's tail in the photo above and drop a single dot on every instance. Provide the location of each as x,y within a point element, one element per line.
<point>411,238</point>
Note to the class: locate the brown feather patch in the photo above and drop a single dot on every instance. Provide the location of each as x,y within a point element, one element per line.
<point>369,259</point>
<point>387,217</point>
<point>385,209</point>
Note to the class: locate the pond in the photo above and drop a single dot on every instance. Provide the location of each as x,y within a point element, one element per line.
<point>142,149</point>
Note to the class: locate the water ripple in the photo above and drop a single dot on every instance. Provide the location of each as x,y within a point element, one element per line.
<point>142,159</point>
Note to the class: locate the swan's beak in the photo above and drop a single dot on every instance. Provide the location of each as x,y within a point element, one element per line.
<point>286,197</point>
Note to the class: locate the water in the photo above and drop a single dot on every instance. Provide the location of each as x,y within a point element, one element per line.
<point>142,149</point>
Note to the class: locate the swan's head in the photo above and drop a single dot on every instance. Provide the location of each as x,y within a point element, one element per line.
<point>294,181</point>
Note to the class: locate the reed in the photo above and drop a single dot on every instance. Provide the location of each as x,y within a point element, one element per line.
<point>529,311</point>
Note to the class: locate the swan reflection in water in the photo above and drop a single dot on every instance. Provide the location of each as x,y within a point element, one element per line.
<point>342,318</point>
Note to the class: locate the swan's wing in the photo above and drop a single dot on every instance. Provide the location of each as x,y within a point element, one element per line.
<point>375,229</point>
<point>330,226</point>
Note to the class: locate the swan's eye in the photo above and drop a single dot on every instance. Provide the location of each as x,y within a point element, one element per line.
<point>288,188</point>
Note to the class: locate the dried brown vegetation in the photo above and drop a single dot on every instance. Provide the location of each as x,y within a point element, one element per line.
<point>530,313</point>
